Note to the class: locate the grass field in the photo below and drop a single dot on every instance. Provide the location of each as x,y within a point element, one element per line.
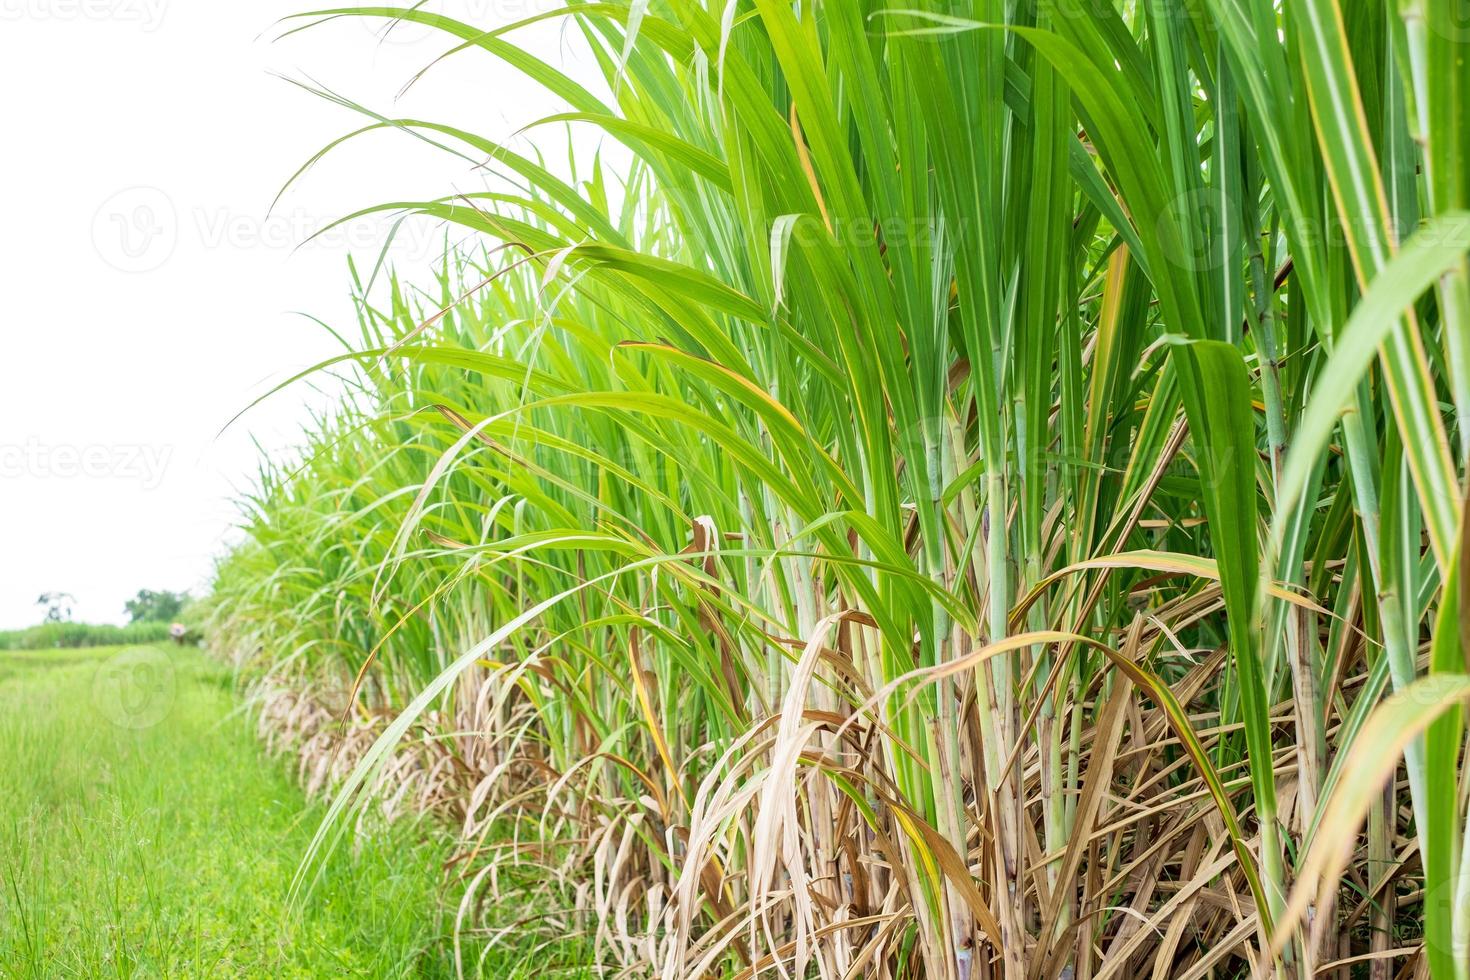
<point>144,834</point>
<point>66,635</point>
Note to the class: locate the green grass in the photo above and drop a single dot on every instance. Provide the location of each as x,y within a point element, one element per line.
<point>164,845</point>
<point>50,635</point>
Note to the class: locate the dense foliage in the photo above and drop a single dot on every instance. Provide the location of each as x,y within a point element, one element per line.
<point>980,495</point>
<point>155,606</point>
<point>68,634</point>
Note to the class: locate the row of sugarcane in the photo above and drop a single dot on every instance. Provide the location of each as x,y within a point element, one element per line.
<point>978,491</point>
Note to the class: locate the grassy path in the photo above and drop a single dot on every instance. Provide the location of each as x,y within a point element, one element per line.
<point>144,834</point>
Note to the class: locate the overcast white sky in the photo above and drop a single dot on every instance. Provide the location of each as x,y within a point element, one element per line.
<point>147,295</point>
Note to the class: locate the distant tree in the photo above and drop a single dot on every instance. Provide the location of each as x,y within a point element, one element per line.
<point>155,607</point>
<point>58,606</point>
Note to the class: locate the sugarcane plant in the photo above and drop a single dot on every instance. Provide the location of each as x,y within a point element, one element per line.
<point>978,490</point>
